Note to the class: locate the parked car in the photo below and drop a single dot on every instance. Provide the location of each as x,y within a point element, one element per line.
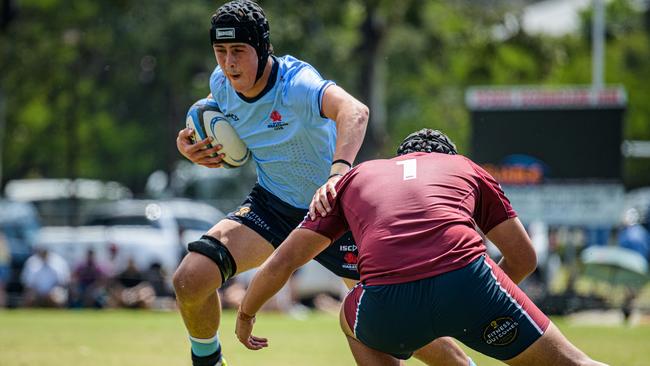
<point>223,188</point>
<point>146,230</point>
<point>64,202</point>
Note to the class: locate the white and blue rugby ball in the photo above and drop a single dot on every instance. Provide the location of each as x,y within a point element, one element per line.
<point>207,120</point>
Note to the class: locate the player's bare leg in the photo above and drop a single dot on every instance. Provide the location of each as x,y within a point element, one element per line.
<point>552,349</point>
<point>364,355</point>
<point>196,281</point>
<point>349,283</point>
<point>441,352</point>
<point>198,277</point>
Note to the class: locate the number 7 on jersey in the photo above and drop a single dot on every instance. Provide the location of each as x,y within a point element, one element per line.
<point>410,168</point>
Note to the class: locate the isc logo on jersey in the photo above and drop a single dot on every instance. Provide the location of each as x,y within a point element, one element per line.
<point>207,120</point>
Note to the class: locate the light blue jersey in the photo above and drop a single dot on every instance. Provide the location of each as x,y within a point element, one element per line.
<point>291,143</point>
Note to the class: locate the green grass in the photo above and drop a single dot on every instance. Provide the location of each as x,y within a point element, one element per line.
<point>124,338</point>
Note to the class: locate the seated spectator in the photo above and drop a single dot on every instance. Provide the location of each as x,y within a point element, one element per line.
<point>46,279</point>
<point>89,282</point>
<point>111,265</point>
<point>633,235</point>
<point>130,289</point>
<point>159,280</point>
<point>635,238</point>
<point>234,289</point>
<point>5,268</point>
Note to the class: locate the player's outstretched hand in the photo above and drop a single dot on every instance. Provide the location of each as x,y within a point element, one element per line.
<point>244,330</point>
<point>197,152</point>
<point>320,203</point>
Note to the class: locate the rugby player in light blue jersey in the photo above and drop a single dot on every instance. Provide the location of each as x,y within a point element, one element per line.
<point>304,133</point>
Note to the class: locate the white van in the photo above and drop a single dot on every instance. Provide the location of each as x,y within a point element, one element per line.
<point>146,230</point>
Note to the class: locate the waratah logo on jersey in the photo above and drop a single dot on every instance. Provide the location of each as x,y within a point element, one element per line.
<point>276,121</point>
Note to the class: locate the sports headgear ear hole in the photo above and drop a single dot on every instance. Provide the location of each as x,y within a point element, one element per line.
<point>243,21</point>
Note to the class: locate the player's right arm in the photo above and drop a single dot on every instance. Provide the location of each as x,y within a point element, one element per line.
<point>519,258</point>
<point>299,247</point>
<point>197,152</point>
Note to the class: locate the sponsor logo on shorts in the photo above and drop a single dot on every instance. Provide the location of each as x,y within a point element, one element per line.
<point>501,331</point>
<point>348,248</point>
<point>350,260</point>
<point>243,211</point>
<point>257,221</point>
<point>350,257</point>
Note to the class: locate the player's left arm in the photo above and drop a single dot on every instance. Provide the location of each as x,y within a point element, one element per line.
<point>351,117</point>
<point>519,258</point>
<point>301,246</point>
<point>498,220</point>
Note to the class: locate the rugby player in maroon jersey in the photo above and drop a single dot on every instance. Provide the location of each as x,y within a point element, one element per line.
<point>424,269</point>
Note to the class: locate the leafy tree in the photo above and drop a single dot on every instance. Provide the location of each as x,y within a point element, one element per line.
<point>99,89</point>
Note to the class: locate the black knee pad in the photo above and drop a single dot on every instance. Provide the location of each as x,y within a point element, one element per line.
<point>215,250</point>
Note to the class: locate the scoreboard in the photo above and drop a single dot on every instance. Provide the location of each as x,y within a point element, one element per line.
<point>556,152</point>
<point>534,135</point>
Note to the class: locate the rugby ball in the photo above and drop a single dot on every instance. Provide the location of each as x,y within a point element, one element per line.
<point>207,120</point>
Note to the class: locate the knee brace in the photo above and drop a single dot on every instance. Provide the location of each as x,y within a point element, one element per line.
<point>215,250</point>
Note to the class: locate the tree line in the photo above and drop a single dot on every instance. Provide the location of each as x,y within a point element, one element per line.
<point>99,88</point>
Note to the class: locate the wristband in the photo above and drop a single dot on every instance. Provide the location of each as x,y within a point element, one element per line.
<point>342,162</point>
<point>334,175</point>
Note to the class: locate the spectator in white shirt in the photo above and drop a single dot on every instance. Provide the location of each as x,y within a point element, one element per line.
<point>46,278</point>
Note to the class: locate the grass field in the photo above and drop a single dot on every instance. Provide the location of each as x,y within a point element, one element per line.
<point>143,338</point>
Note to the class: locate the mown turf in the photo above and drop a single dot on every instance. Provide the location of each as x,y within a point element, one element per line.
<point>124,338</point>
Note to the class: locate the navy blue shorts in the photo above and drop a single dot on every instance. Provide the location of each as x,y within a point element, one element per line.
<point>274,219</point>
<point>478,305</point>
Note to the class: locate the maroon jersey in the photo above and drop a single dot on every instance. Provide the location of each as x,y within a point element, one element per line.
<point>414,216</point>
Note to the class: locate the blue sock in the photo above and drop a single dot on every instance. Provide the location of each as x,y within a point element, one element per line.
<point>205,347</point>
<point>471,363</point>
